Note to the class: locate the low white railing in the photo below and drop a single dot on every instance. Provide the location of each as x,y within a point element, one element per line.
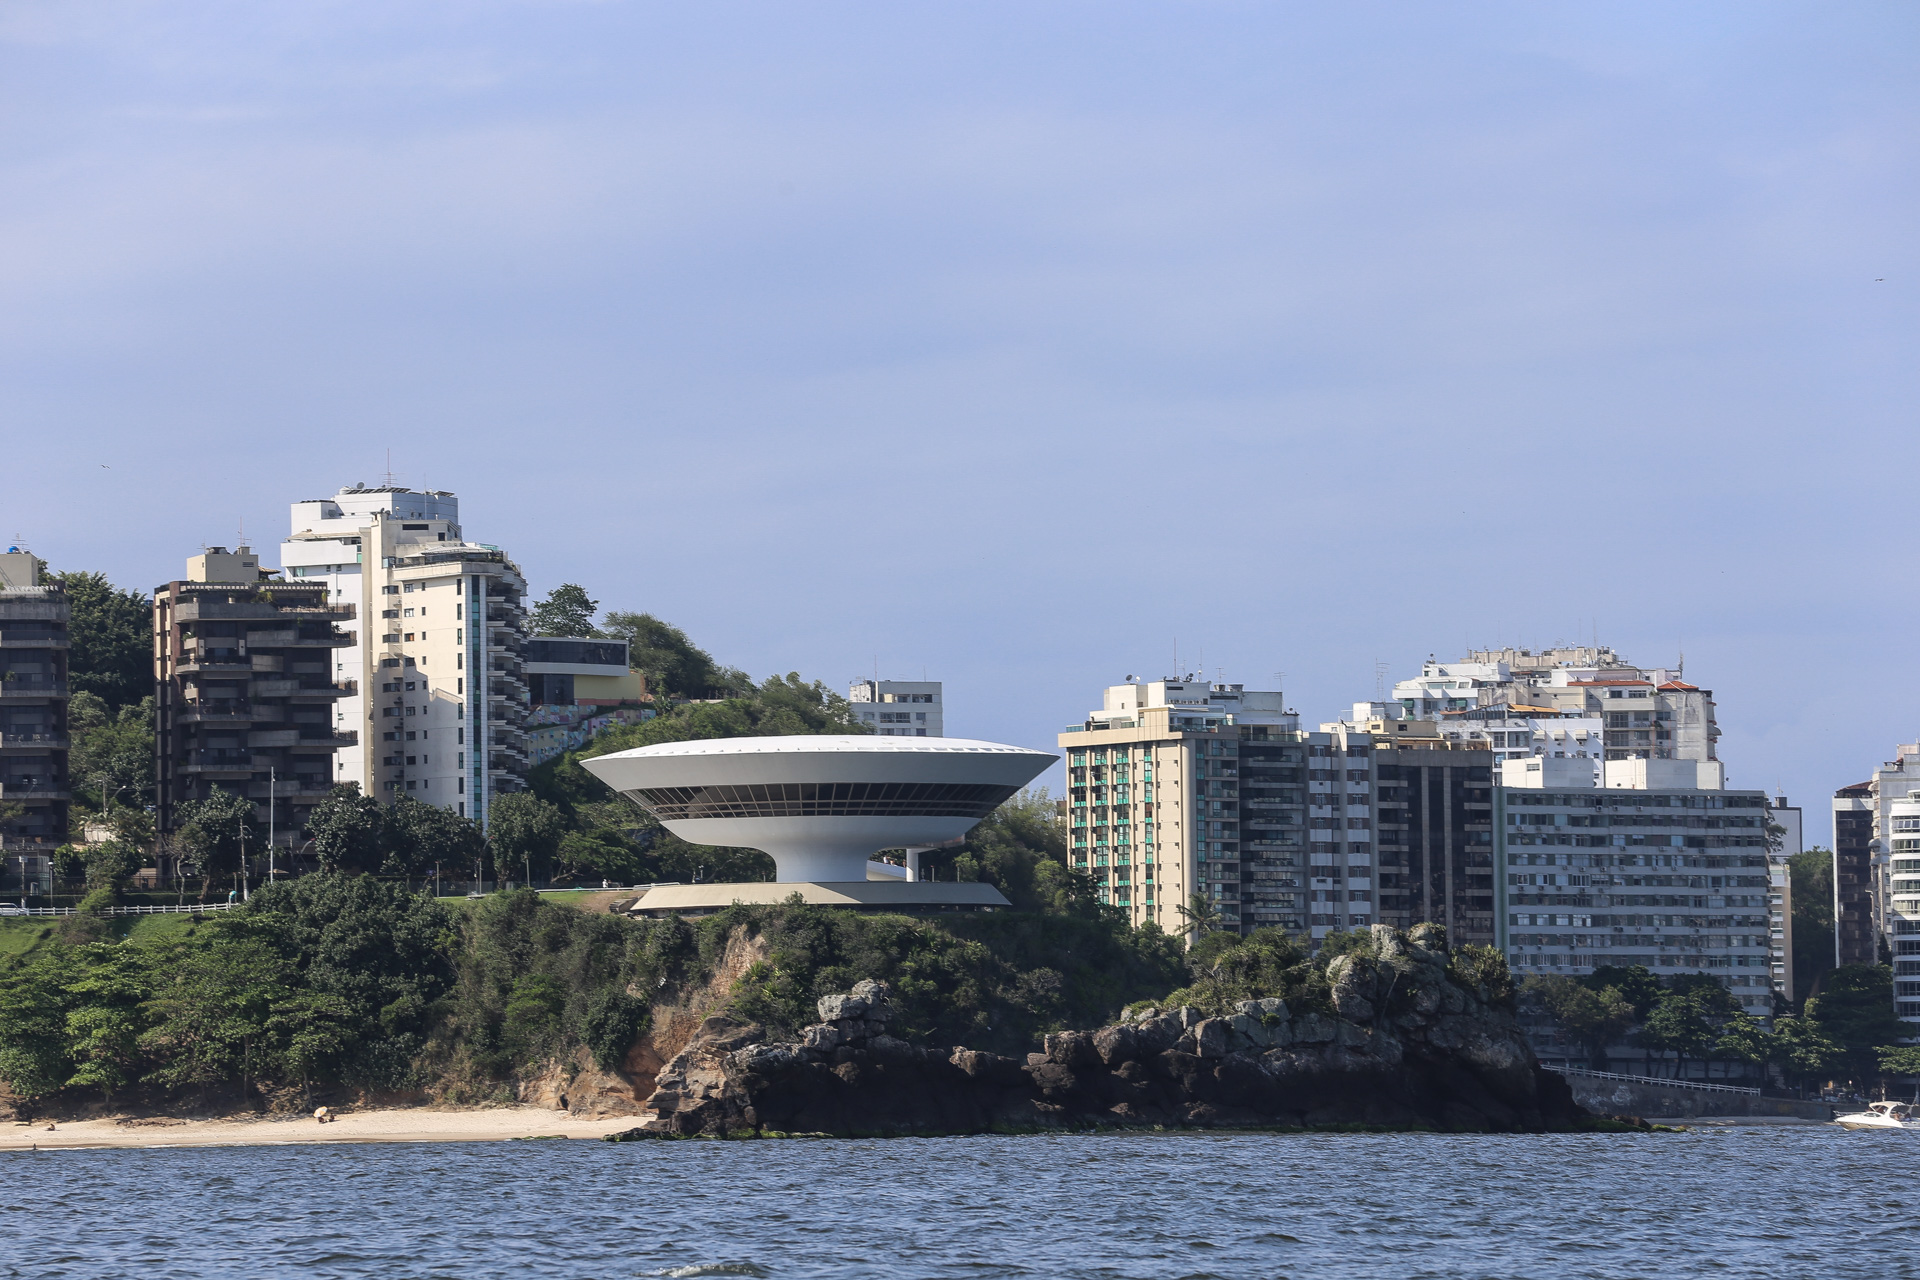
<point>1663,1081</point>
<point>124,911</point>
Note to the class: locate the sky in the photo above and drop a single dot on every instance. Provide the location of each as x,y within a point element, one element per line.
<point>1023,346</point>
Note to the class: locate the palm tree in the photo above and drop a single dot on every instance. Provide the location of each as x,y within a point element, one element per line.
<point>1201,916</point>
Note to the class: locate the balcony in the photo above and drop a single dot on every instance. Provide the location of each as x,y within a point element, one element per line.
<point>16,686</point>
<point>192,610</point>
<point>32,638</point>
<point>33,742</point>
<point>218,760</point>
<point>325,741</point>
<point>12,789</point>
<point>214,711</point>
<point>200,660</point>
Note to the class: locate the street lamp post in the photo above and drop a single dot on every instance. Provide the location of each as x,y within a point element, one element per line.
<point>272,775</point>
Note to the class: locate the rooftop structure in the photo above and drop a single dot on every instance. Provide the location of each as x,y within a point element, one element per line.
<point>577,686</point>
<point>899,708</point>
<point>821,806</point>
<point>1641,712</point>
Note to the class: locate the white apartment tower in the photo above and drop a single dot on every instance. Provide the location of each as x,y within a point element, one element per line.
<point>439,691</point>
<point>899,708</point>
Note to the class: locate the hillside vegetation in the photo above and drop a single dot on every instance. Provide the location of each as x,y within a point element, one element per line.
<point>336,982</point>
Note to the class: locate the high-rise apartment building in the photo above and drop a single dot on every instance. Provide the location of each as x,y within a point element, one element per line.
<point>1639,712</point>
<point>1784,843</point>
<point>1659,867</point>
<point>33,716</point>
<point>1856,924</point>
<point>899,708</point>
<point>1903,913</point>
<point>1178,788</point>
<point>1425,801</point>
<point>245,690</point>
<point>440,698</point>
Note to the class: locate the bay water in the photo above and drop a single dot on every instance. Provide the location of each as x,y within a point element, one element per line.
<point>1737,1201</point>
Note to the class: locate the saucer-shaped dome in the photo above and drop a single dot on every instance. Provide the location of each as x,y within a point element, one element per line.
<point>820,805</point>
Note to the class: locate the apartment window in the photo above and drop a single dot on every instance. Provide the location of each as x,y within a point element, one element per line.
<point>406,613</point>
<point>389,591</point>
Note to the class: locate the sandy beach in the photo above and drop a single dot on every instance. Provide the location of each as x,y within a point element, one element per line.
<point>494,1124</point>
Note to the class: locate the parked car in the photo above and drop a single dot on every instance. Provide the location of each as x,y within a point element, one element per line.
<point>12,909</point>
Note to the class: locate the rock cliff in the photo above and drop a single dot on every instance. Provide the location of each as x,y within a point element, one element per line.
<point>1410,1041</point>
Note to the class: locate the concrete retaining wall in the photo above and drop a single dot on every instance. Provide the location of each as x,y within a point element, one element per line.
<point>1668,1102</point>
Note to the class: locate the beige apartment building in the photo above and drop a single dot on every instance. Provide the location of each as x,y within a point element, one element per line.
<point>1177,788</point>
<point>441,695</point>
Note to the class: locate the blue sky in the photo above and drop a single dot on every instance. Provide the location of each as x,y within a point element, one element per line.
<point>1015,343</point>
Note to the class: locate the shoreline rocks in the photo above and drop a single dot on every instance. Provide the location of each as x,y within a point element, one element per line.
<point>1412,1044</point>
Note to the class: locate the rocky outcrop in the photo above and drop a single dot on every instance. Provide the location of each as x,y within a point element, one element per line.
<point>1410,1043</point>
<point>577,1085</point>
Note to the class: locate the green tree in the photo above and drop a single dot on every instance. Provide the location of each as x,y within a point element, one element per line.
<point>1803,1050</point>
<point>104,1018</point>
<point>382,952</point>
<point>114,749</point>
<point>1679,1025</point>
<point>110,635</point>
<point>1636,984</point>
<point>349,831</point>
<point>1588,1018</point>
<point>208,1015</point>
<point>566,611</point>
<point>673,665</point>
<point>1743,1039</point>
<point>1201,916</point>
<point>420,836</point>
<point>1901,1060</point>
<point>110,864</point>
<point>1855,1010</point>
<point>523,830</point>
<point>1021,849</point>
<point>214,833</point>
<point>602,852</point>
<point>1810,879</point>
<point>33,1024</point>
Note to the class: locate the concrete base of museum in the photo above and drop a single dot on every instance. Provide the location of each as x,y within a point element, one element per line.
<point>857,895</point>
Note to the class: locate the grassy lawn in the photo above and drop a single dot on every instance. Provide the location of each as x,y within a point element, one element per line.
<point>19,938</point>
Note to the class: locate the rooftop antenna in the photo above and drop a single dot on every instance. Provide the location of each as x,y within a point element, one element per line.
<point>388,479</point>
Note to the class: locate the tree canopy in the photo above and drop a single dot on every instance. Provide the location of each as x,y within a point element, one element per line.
<point>214,833</point>
<point>567,611</point>
<point>1855,1010</point>
<point>1810,877</point>
<point>111,747</point>
<point>110,634</point>
<point>673,664</point>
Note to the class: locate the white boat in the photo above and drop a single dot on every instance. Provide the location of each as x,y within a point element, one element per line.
<point>1883,1115</point>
